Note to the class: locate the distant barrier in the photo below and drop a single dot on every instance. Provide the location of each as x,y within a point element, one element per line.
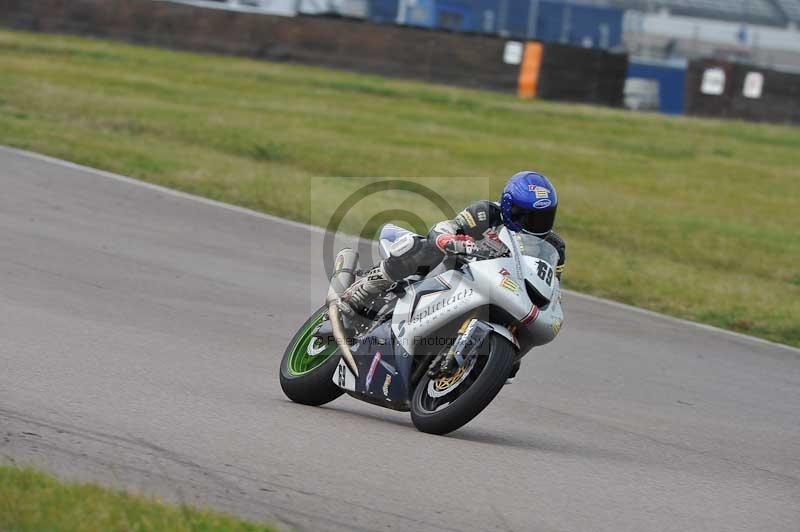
<point>656,86</point>
<point>564,73</point>
<point>729,90</point>
<point>582,75</point>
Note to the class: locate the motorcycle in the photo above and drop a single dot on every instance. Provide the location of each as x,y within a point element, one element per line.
<point>441,346</point>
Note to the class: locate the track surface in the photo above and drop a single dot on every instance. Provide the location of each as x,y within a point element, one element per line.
<point>140,337</point>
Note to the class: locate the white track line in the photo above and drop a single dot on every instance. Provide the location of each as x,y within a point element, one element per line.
<point>276,219</point>
<point>680,321</point>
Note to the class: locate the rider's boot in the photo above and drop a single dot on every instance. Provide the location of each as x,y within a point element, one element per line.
<point>360,293</point>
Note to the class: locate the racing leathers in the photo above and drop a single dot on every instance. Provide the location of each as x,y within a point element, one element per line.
<point>473,231</point>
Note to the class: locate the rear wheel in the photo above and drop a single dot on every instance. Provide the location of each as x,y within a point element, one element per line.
<point>444,404</point>
<point>308,365</point>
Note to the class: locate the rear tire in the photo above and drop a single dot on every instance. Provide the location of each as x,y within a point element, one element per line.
<point>303,379</point>
<point>473,400</point>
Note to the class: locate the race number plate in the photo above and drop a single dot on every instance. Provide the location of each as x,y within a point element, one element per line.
<point>344,378</point>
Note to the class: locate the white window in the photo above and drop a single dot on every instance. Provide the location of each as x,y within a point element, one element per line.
<point>713,82</point>
<point>512,55</point>
<point>753,85</point>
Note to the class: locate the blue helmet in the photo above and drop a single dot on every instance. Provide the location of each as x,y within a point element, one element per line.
<point>529,204</point>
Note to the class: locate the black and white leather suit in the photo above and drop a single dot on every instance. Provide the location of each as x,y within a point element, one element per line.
<point>480,221</point>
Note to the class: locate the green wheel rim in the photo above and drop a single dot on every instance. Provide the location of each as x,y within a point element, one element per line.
<point>300,360</point>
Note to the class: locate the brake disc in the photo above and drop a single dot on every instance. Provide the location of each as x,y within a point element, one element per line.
<point>443,385</point>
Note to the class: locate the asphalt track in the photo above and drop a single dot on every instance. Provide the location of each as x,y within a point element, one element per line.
<point>140,337</point>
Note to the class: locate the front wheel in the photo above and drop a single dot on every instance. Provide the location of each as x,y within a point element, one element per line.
<point>443,405</point>
<point>308,365</point>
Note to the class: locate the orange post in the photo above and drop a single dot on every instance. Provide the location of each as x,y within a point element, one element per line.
<point>529,70</point>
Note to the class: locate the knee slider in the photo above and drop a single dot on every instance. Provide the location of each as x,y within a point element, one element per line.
<point>404,245</point>
<point>404,257</point>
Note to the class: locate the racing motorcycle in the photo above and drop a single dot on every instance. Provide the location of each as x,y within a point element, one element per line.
<point>441,346</point>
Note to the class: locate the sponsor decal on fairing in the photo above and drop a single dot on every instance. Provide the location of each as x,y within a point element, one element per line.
<point>372,368</point>
<point>441,305</point>
<point>386,384</point>
<point>509,285</point>
<point>388,367</point>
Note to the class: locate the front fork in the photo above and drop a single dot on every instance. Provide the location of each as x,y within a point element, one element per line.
<point>470,336</point>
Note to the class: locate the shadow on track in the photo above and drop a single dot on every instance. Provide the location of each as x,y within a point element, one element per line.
<point>535,442</point>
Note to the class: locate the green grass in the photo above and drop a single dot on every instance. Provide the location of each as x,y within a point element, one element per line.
<point>694,218</point>
<point>32,501</point>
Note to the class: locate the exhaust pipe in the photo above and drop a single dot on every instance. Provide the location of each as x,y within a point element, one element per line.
<point>344,274</point>
<point>341,339</point>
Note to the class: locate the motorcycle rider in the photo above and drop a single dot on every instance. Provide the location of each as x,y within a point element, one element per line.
<point>528,204</point>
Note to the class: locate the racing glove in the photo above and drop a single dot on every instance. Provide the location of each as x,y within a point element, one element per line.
<point>456,244</point>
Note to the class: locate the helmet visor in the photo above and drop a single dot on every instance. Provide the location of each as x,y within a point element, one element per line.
<point>538,223</point>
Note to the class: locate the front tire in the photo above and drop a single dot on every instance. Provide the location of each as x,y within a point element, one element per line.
<point>494,369</point>
<point>307,378</point>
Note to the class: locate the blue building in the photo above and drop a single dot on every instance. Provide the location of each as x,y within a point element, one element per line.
<point>578,25</point>
<point>543,20</point>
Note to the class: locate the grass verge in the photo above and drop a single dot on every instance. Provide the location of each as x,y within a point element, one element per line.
<point>694,218</point>
<point>33,501</point>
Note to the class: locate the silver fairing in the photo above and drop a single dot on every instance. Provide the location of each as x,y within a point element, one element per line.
<point>432,303</point>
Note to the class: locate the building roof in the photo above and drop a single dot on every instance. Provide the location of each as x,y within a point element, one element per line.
<point>791,8</point>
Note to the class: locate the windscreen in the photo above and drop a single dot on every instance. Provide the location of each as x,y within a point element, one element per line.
<point>533,246</point>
